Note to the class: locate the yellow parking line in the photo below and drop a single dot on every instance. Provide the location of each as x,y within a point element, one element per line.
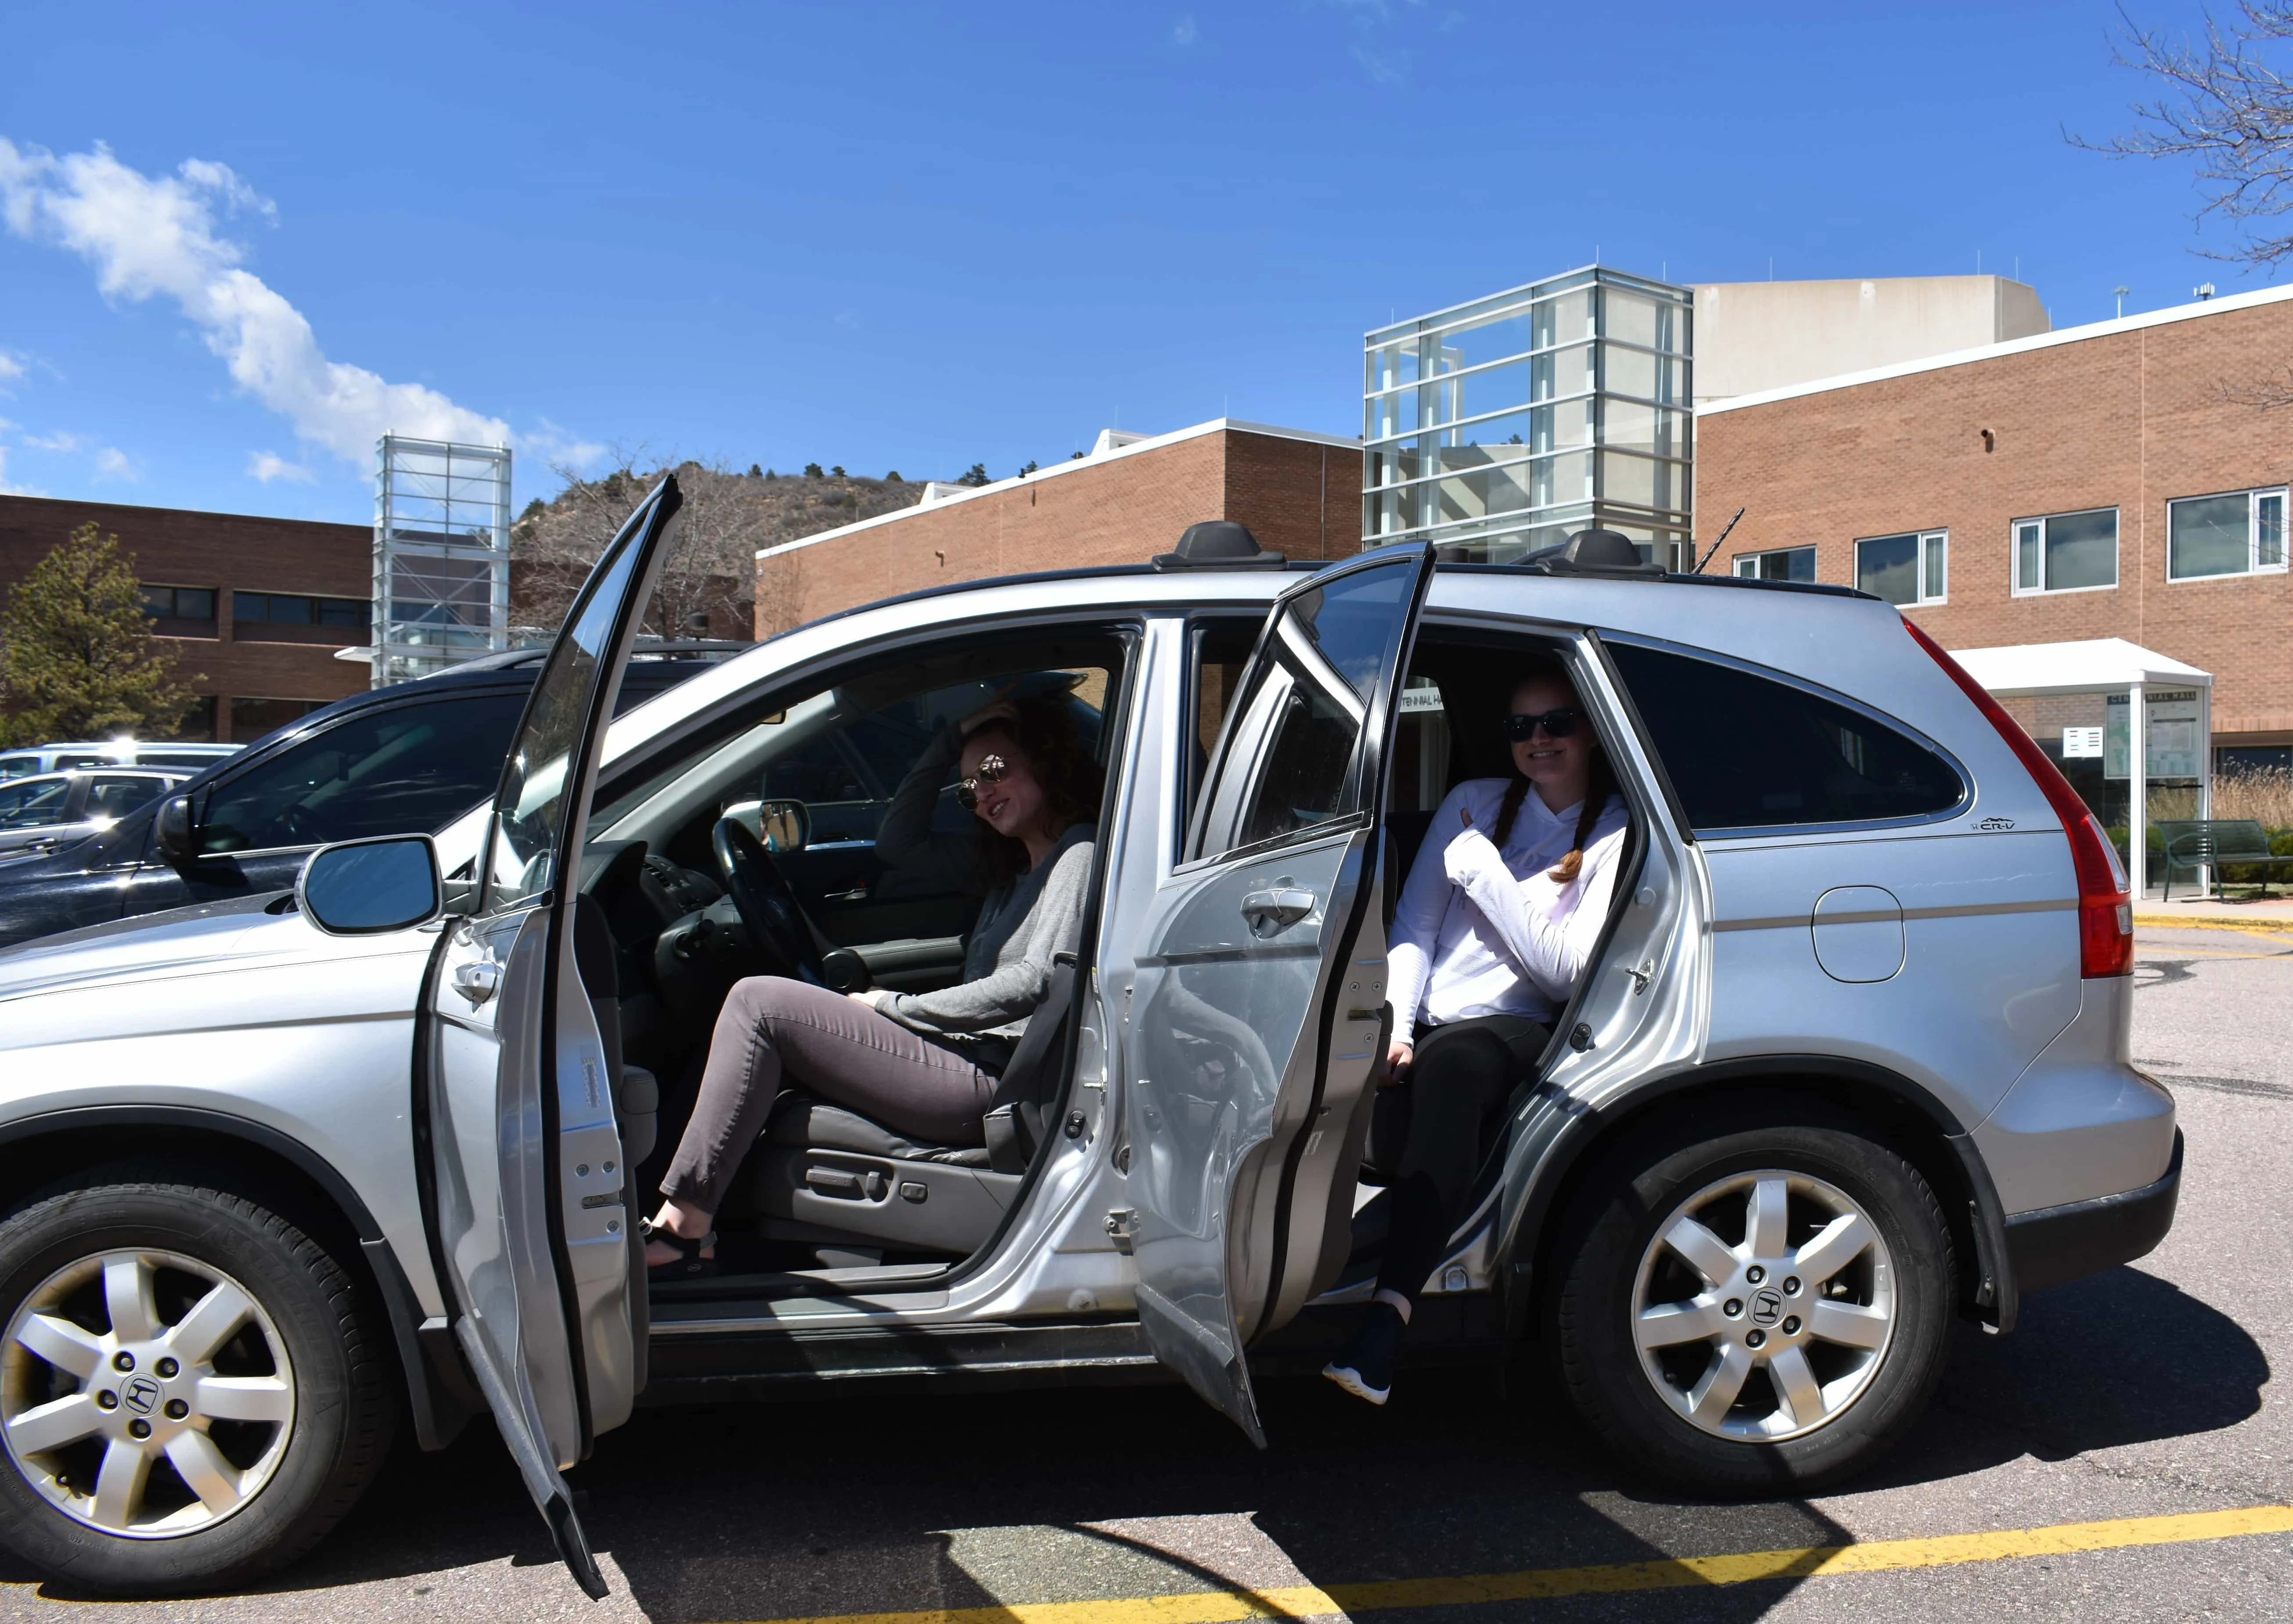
<point>1545,1584</point>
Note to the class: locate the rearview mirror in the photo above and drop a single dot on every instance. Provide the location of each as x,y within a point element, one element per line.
<point>178,836</point>
<point>366,887</point>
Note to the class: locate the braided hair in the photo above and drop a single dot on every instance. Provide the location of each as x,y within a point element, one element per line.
<point>1598,786</point>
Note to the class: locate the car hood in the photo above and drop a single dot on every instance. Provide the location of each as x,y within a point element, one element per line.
<point>216,938</point>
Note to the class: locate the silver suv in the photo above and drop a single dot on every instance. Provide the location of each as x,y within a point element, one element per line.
<point>1850,1062</point>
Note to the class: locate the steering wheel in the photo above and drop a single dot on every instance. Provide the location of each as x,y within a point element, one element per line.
<point>767,905</point>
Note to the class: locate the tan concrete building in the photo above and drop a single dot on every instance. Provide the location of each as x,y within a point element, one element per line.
<point>253,609</point>
<point>2123,480</point>
<point>1298,491</point>
<point>1753,337</point>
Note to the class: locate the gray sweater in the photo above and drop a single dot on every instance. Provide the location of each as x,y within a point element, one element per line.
<point>1007,961</point>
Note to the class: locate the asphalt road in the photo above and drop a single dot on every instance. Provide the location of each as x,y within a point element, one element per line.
<point>2141,1394</point>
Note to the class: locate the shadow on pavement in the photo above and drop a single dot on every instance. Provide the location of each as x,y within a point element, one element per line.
<point>843,1503</point>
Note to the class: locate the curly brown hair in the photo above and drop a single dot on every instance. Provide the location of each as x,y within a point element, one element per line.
<point>1044,733</point>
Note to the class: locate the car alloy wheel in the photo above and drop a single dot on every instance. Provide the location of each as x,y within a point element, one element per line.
<point>145,1394</point>
<point>1763,1306</point>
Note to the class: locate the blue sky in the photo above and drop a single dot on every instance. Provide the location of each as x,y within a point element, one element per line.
<point>910,238</point>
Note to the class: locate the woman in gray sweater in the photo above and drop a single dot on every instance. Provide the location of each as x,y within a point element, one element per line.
<point>923,1063</point>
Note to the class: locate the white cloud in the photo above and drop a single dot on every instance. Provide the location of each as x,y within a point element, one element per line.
<point>558,447</point>
<point>150,236</point>
<point>1185,33</point>
<point>111,463</point>
<point>62,440</point>
<point>268,465</point>
<point>11,365</point>
<point>6,489</point>
<point>1381,68</point>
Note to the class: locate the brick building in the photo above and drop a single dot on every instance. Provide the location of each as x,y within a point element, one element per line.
<point>253,608</point>
<point>1299,492</point>
<point>2122,479</point>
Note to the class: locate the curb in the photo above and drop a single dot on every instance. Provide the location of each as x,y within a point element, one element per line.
<point>2214,921</point>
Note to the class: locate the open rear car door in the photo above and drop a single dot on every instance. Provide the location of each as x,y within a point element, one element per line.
<point>535,1214</point>
<point>1257,1014</point>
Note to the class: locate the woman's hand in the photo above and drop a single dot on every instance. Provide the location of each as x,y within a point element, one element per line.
<point>991,711</point>
<point>869,997</point>
<point>1398,1053</point>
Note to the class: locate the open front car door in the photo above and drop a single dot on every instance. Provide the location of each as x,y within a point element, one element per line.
<point>534,1210</point>
<point>1257,1014</point>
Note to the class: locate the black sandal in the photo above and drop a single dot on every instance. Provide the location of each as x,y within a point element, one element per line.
<point>688,1264</point>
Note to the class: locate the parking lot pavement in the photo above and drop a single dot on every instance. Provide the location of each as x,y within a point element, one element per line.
<point>2141,1394</point>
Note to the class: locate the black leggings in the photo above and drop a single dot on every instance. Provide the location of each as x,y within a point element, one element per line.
<point>1464,1073</point>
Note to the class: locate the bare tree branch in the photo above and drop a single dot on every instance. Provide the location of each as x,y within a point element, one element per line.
<point>2226,107</point>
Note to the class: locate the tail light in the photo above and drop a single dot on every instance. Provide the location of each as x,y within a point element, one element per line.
<point>2105,910</point>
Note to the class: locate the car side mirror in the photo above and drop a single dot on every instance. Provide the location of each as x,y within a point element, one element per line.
<point>786,825</point>
<point>366,887</point>
<point>177,834</point>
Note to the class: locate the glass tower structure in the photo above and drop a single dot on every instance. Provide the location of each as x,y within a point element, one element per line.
<point>1504,425</point>
<point>440,555</point>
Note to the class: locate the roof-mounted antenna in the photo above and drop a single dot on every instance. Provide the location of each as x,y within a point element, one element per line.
<point>1715,546</point>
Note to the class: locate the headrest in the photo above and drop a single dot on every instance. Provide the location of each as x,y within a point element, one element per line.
<point>1218,543</point>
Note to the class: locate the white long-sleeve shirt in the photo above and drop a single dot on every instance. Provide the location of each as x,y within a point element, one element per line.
<point>1483,933</point>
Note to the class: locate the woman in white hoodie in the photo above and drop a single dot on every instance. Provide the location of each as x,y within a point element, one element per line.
<point>1496,921</point>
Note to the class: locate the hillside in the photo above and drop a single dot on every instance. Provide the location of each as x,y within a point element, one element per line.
<point>727,516</point>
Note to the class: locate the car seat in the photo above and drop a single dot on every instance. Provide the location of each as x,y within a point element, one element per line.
<point>825,1174</point>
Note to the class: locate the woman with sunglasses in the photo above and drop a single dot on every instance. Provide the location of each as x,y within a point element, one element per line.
<point>923,1063</point>
<point>1494,926</point>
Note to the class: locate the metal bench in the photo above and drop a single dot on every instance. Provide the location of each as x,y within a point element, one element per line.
<point>2216,844</point>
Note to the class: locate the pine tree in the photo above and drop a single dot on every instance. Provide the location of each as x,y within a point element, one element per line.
<point>76,656</point>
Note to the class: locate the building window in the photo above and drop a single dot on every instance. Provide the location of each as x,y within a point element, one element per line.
<point>1783,564</point>
<point>1911,568</point>
<point>251,719</point>
<point>2066,551</point>
<point>287,609</point>
<point>2240,534</point>
<point>179,602</point>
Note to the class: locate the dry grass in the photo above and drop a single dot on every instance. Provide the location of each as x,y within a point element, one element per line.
<point>2264,795</point>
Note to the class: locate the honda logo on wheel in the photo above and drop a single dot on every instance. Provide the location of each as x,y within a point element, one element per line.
<point>1767,1308</point>
<point>140,1395</point>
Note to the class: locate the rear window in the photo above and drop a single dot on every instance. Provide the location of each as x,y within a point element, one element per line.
<point>1746,751</point>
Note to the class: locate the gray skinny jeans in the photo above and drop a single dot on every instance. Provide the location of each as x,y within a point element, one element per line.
<point>775,1033</point>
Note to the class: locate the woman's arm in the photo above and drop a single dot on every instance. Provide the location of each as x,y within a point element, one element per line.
<point>1015,986</point>
<point>1548,925</point>
<point>1417,921</point>
<point>905,839</point>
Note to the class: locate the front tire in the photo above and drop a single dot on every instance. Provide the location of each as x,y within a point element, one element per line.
<point>192,1391</point>
<point>1754,1307</point>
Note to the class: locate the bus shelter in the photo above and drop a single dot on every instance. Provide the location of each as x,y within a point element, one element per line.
<point>2128,726</point>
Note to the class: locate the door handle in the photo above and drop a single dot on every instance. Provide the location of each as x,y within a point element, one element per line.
<point>477,980</point>
<point>1270,911</point>
<point>858,894</point>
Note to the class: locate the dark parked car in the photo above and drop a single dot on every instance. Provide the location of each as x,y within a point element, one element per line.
<point>403,760</point>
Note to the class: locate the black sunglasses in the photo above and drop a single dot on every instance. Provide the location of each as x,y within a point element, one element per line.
<point>1556,724</point>
<point>990,770</point>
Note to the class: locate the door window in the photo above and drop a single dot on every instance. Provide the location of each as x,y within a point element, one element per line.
<point>410,768</point>
<point>1746,751</point>
<point>1304,712</point>
<point>27,806</point>
<point>114,796</point>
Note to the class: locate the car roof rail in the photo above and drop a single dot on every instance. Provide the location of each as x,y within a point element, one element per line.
<point>1597,551</point>
<point>1218,543</point>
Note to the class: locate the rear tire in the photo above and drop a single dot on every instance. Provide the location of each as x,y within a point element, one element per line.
<point>260,1423</point>
<point>1707,1334</point>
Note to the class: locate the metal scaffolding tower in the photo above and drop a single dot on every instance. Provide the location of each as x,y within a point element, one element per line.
<point>440,555</point>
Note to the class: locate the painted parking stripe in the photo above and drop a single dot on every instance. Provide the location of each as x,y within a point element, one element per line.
<point>1545,1584</point>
